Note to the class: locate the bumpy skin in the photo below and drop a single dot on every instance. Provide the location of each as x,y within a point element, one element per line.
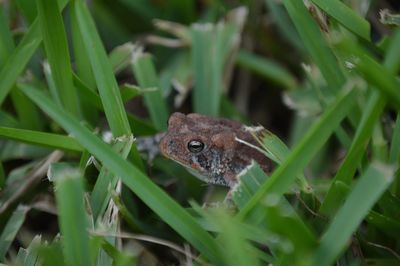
<point>222,158</point>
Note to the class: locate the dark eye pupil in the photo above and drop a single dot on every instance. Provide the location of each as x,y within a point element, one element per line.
<point>195,146</point>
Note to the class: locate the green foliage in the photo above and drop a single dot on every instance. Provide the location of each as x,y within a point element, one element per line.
<point>68,78</point>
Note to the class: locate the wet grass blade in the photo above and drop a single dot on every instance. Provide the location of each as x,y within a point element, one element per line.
<point>169,211</point>
<point>283,177</point>
<point>56,46</point>
<point>71,216</point>
<point>41,138</point>
<point>361,199</point>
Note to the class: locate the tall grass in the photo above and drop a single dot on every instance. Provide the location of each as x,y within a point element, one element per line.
<point>70,111</point>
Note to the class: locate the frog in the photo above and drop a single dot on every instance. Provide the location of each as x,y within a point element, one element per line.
<point>216,150</point>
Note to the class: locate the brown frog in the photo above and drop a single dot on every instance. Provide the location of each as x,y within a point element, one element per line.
<point>213,149</point>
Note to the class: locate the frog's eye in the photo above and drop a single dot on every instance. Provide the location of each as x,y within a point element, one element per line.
<point>195,146</point>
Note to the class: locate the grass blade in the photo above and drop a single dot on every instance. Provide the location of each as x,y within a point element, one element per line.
<point>283,22</point>
<point>372,112</point>
<point>315,43</point>
<point>11,229</point>
<point>6,39</point>
<point>153,196</point>
<point>145,73</point>
<point>360,200</point>
<point>41,138</point>
<point>211,45</point>
<point>345,16</point>
<point>72,216</point>
<point>21,55</point>
<point>285,174</point>
<point>103,73</point>
<point>56,46</point>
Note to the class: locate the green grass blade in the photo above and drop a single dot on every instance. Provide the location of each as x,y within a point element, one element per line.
<point>145,73</point>
<point>152,195</point>
<point>120,57</point>
<point>106,181</point>
<point>103,73</point>
<point>360,200</point>
<point>345,16</point>
<point>266,68</point>
<point>56,46</point>
<point>371,114</point>
<point>286,27</point>
<point>395,143</point>
<point>72,216</point>
<point>20,56</point>
<point>28,114</point>
<point>6,39</point>
<point>285,174</point>
<point>211,45</point>
<point>233,239</point>
<point>11,229</point>
<point>315,44</point>
<point>381,79</point>
<point>41,138</point>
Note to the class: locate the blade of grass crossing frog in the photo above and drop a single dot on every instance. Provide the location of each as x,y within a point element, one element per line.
<point>346,17</point>
<point>20,56</point>
<point>169,211</point>
<point>249,181</point>
<point>315,44</point>
<point>283,177</point>
<point>11,229</point>
<point>278,152</point>
<point>41,138</point>
<point>102,70</point>
<point>72,217</point>
<point>56,46</point>
<point>361,199</point>
<point>145,73</point>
